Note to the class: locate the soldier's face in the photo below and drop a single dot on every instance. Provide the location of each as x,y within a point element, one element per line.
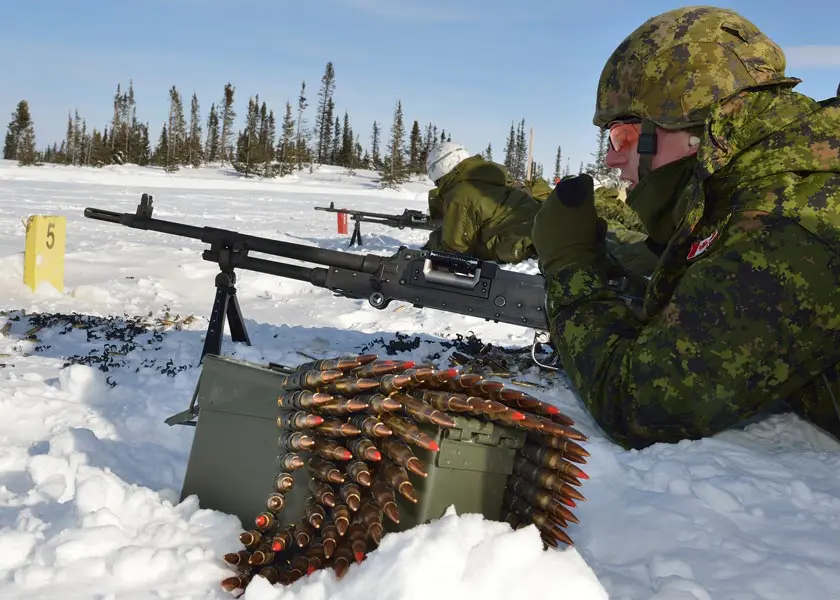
<point>670,146</point>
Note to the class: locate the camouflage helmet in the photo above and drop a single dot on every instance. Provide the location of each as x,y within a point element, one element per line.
<point>675,65</point>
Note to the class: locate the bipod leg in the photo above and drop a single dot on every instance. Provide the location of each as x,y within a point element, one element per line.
<point>225,305</point>
<point>357,234</point>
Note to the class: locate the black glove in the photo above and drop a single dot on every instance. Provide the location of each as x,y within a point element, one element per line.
<point>567,229</point>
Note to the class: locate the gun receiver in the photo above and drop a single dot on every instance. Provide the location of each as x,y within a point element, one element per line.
<point>448,282</point>
<point>409,219</point>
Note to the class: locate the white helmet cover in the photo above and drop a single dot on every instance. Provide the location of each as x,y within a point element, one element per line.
<point>443,158</point>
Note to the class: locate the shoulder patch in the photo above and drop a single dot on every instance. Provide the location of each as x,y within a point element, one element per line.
<point>698,248</point>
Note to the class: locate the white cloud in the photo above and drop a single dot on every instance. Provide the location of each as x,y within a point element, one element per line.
<point>813,56</point>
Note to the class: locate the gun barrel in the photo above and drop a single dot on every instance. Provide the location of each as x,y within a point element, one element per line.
<point>368,263</point>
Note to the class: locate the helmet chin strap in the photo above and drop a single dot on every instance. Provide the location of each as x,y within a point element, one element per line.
<point>646,147</point>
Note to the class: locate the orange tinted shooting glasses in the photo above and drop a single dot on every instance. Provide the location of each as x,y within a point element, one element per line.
<point>623,133</point>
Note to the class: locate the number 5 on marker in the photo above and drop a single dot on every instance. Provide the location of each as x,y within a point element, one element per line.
<point>43,259</point>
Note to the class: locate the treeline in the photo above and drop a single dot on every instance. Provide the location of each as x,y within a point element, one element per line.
<point>269,144</point>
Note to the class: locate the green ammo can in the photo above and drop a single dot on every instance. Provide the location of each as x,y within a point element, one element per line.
<point>232,462</point>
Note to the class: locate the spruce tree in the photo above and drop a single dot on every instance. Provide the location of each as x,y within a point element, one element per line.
<point>195,153</point>
<point>415,142</point>
<point>25,145</point>
<point>347,155</point>
<point>211,146</point>
<point>488,152</point>
<point>288,147</point>
<point>558,161</point>
<point>324,117</point>
<point>12,135</point>
<point>510,150</point>
<point>301,133</point>
<point>394,171</point>
<point>335,147</point>
<point>228,115</point>
<point>375,158</point>
<point>177,130</point>
<point>520,163</point>
<point>248,144</point>
<point>161,156</point>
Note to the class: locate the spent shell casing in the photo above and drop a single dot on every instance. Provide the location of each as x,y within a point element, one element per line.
<point>275,502</point>
<point>340,514</point>
<point>302,399</point>
<point>309,380</point>
<point>401,453</point>
<point>322,492</point>
<point>359,472</point>
<point>236,559</point>
<point>283,482</point>
<point>397,477</point>
<point>423,411</point>
<point>314,512</point>
<point>290,461</point>
<point>325,470</point>
<point>351,494</point>
<point>443,400</point>
<point>298,420</point>
<point>295,441</point>
<point>364,449</point>
<point>337,428</point>
<point>370,425</point>
<point>552,459</point>
<point>330,449</point>
<point>384,498</point>
<point>349,386</point>
<point>379,403</point>
<point>329,536</point>
<point>409,432</point>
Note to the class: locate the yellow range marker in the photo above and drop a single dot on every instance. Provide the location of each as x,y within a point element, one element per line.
<point>43,259</point>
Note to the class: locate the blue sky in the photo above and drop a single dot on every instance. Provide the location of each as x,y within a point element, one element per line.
<point>470,66</point>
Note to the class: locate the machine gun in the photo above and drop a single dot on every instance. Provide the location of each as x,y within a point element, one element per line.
<point>409,219</point>
<point>449,282</point>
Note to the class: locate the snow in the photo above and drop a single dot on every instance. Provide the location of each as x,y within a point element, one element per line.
<point>90,475</point>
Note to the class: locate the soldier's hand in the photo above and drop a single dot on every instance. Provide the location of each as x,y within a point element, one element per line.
<point>567,229</point>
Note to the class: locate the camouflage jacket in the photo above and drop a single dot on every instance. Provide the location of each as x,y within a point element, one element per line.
<point>483,215</point>
<point>741,313</point>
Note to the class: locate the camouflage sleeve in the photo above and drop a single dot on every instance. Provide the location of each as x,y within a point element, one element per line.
<point>461,223</point>
<point>748,323</point>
